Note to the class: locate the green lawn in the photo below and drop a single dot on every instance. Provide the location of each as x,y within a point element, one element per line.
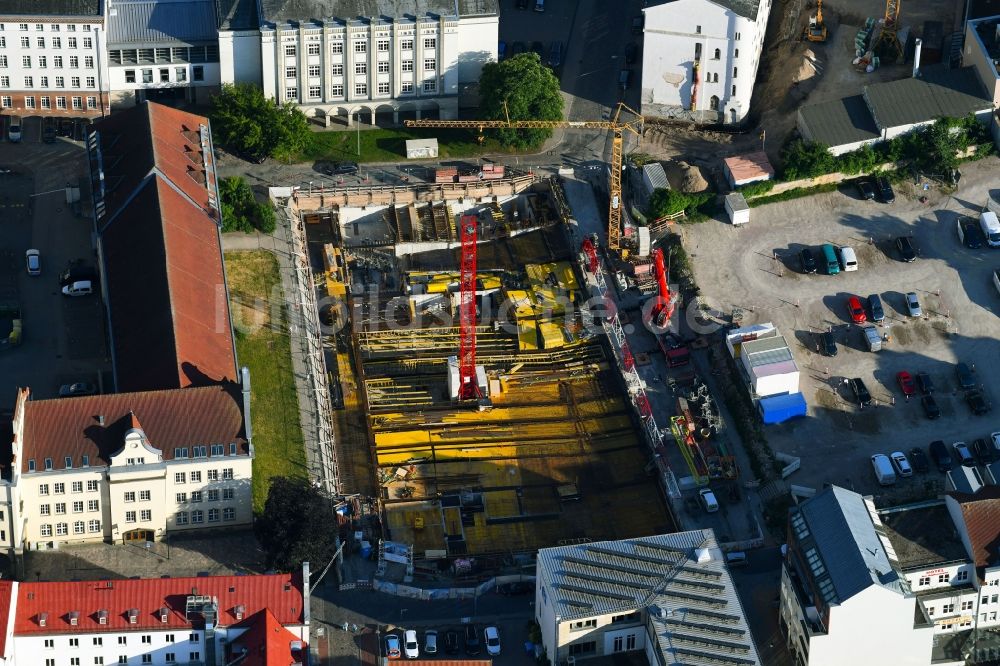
<point>254,283</point>
<point>389,144</point>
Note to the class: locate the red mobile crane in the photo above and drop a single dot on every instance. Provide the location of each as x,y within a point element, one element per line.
<point>663,309</point>
<point>468,387</point>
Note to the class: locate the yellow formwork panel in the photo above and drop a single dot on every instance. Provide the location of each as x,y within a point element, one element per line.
<point>527,335</point>
<point>552,335</point>
<point>501,504</point>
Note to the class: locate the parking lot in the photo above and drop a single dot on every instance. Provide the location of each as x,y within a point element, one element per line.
<point>756,268</point>
<point>513,634</point>
<point>63,338</point>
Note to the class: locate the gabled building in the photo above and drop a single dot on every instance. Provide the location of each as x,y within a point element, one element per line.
<point>700,58</point>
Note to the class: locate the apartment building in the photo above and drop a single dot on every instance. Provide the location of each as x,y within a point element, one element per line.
<point>53,59</point>
<point>162,51</point>
<point>844,598</point>
<point>667,597</point>
<point>204,621</point>
<point>129,466</point>
<point>700,58</point>
<point>395,63</point>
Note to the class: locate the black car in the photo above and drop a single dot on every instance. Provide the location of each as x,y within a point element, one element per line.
<point>970,234</point>
<point>472,646</point>
<point>977,402</point>
<point>865,190</point>
<point>904,245</point>
<point>885,192</point>
<point>515,588</point>
<point>875,307</point>
<point>340,169</point>
<point>966,380</point>
<point>918,460</point>
<point>829,344</point>
<point>941,456</point>
<point>807,262</point>
<point>555,54</point>
<point>861,393</point>
<point>925,383</point>
<point>983,451</point>
<point>452,642</point>
<point>631,54</point>
<point>931,409</point>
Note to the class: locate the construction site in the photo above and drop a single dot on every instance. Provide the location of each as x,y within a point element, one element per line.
<point>474,400</point>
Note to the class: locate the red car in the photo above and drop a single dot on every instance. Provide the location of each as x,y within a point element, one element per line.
<point>905,381</point>
<point>858,315</point>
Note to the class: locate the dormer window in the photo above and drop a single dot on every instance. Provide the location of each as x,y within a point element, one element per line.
<point>133,615</point>
<point>218,450</point>
<point>69,462</point>
<point>74,618</point>
<point>240,610</point>
<point>181,452</point>
<point>43,619</point>
<point>86,461</point>
<point>164,614</point>
<point>48,464</point>
<point>102,617</point>
<point>232,448</point>
<point>31,464</point>
<point>200,451</point>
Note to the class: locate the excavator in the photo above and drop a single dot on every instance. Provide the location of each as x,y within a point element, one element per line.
<point>816,30</point>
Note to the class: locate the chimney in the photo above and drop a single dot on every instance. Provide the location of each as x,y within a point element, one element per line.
<point>916,58</point>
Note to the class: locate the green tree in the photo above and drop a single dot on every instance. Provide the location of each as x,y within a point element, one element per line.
<point>249,124</point>
<point>530,91</point>
<point>298,525</point>
<point>237,200</point>
<point>667,202</point>
<point>807,159</point>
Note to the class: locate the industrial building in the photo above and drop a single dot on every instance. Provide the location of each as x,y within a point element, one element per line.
<point>767,368</point>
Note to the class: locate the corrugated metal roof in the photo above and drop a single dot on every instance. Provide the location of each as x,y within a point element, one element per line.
<point>939,92</point>
<point>737,202</point>
<point>656,176</point>
<point>281,11</point>
<point>161,21</point>
<point>776,368</point>
<point>88,8</point>
<point>839,121</point>
<point>765,351</point>
<point>281,593</point>
<point>687,600</point>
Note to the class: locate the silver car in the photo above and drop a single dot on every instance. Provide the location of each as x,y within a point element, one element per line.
<point>913,305</point>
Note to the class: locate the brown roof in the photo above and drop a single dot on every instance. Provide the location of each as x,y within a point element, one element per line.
<point>751,165</point>
<point>267,643</point>
<point>162,255</point>
<point>981,513</point>
<point>71,427</point>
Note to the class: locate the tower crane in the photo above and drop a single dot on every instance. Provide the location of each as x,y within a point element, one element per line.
<point>618,126</point>
<point>468,385</point>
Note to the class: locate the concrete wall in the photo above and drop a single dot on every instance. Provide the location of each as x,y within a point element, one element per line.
<point>976,55</point>
<point>240,57</point>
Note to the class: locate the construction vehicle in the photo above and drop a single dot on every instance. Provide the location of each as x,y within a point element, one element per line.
<point>816,30</point>
<point>618,126</point>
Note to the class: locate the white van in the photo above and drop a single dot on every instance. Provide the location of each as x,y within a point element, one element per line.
<point>991,227</point>
<point>884,473</point>
<point>81,288</point>
<point>848,260</point>
<point>708,500</point>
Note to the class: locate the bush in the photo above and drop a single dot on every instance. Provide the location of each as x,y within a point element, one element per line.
<point>757,189</point>
<point>264,218</point>
<point>804,159</point>
<point>240,211</point>
<point>795,193</point>
<point>668,202</point>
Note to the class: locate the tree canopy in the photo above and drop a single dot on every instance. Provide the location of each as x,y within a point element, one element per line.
<point>531,92</point>
<point>241,211</point>
<point>298,525</point>
<point>253,126</point>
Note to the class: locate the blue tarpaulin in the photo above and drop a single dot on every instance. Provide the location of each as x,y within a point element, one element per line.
<point>781,408</point>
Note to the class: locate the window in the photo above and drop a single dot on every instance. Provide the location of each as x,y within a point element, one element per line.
<point>169,638</point>
<point>944,578</point>
<point>98,640</point>
<point>336,47</point>
<point>229,513</point>
<point>43,509</point>
<point>734,91</point>
<point>383,67</point>
<point>383,45</point>
<point>25,42</point>
<point>164,75</point>
<point>147,76</point>
<point>93,505</point>
<point>60,507</point>
<point>407,66</point>
<point>197,517</point>
<point>313,49</point>
<point>313,72</point>
<point>948,608</point>
<point>3,63</point>
<point>182,518</point>
<point>195,477</point>
<point>227,473</point>
<point>406,87</point>
<point>583,648</point>
<point>79,527</point>
<point>181,452</point>
<point>71,28</point>
<point>718,54</point>
<point>338,70</point>
<point>213,495</point>
<point>147,659</point>
<point>315,92</point>
<point>736,53</point>
<point>406,45</point>
<point>78,507</point>
<point>583,624</point>
<point>92,484</point>
<point>966,605</point>
<point>76,486</point>
<point>74,62</point>
<point>129,496</point>
<point>130,516</point>
<point>196,496</point>
<point>144,495</point>
<point>737,37</point>
<point>29,102</point>
<point>194,656</point>
<point>93,526</point>
<point>383,88</point>
<point>62,529</point>
<point>361,47</point>
<point>6,102</point>
<point>57,43</point>
<point>145,515</point>
<point>290,50</point>
<point>430,86</point>
<point>735,70</point>
<point>429,64</point>
<point>60,101</point>
<point>194,638</point>
<point>361,68</point>
<point>57,61</point>
<point>41,42</point>
<point>88,43</point>
<point>50,642</point>
<point>630,617</point>
<point>430,43</point>
<point>43,489</point>
<point>43,62</point>
<point>180,498</point>
<point>962,575</point>
<point>360,88</point>
<point>48,461</point>
<point>179,477</point>
<point>227,493</point>
<point>924,580</point>
<point>290,73</point>
<point>98,661</point>
<point>46,530</point>
<point>170,657</point>
<point>213,515</point>
<point>75,642</point>
<point>697,29</point>
<point>337,90</point>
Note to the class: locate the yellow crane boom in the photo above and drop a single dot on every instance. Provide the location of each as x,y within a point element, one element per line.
<point>617,126</point>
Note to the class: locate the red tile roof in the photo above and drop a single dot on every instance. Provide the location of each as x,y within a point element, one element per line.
<point>981,513</point>
<point>6,596</point>
<point>280,593</point>
<point>268,643</point>
<point>749,166</point>
<point>181,417</point>
<point>162,255</point>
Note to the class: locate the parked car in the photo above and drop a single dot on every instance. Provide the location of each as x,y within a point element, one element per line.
<point>913,304</point>
<point>708,501</point>
<point>963,454</point>
<point>977,402</point>
<point>631,53</point>
<point>472,647</point>
<point>492,641</point>
<point>983,451</point>
<point>860,391</point>
<point>970,234</point>
<point>865,189</point>
<point>856,311</point>
<point>901,464</point>
<point>392,646</point>
<point>49,134</point>
<point>925,383</point>
<point>829,344</point>
<point>515,588</point>
<point>431,641</point>
<point>14,133</point>
<point>78,388</point>
<point>340,169</point>
<point>411,647</point>
<point>33,262</point>
<point>452,642</point>
<point>885,192</point>
<point>807,262</point>
<point>555,54</point>
<point>79,288</point>
<point>941,456</point>
<point>966,380</point>
<point>918,460</point>
<point>905,381</point>
<point>875,307</point>
<point>931,409</point>
<point>904,245</point>
<point>885,474</point>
